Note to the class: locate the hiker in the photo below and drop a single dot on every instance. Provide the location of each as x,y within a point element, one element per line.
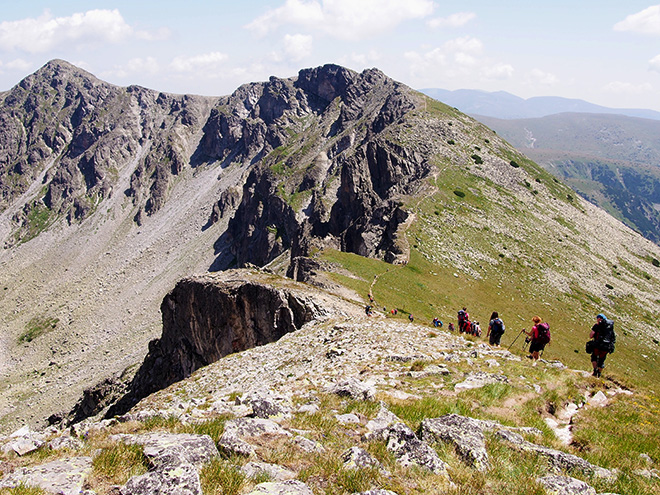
<point>539,337</point>
<point>476,329</point>
<point>451,327</point>
<point>367,310</point>
<point>463,319</point>
<point>411,317</point>
<point>602,333</point>
<point>495,329</point>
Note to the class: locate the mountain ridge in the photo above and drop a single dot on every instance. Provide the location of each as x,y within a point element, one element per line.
<point>283,169</point>
<point>504,105</point>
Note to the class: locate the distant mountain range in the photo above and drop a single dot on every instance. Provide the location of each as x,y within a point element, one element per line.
<point>503,105</point>
<point>609,156</point>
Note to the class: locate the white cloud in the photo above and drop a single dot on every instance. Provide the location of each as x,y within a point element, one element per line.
<point>45,33</point>
<point>453,21</point>
<point>457,58</point>
<point>498,72</point>
<point>138,65</point>
<point>343,19</point>
<point>654,64</point>
<point>645,22</point>
<point>537,77</point>
<point>297,46</point>
<point>206,61</point>
<point>141,65</point>
<point>17,64</point>
<point>361,61</point>
<point>620,87</point>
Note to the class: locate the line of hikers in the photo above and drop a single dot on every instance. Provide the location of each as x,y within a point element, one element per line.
<point>602,336</point>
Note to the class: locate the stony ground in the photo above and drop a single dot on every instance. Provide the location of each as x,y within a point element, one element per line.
<point>328,395</point>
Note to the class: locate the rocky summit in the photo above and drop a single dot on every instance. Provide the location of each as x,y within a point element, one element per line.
<point>236,294</point>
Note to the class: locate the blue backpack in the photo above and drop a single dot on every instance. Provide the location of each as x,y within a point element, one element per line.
<point>497,326</point>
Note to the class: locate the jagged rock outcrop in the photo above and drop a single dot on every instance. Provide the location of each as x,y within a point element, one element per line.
<point>204,319</point>
<point>335,172</point>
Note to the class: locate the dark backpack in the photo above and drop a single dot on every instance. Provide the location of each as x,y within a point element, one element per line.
<point>497,326</point>
<point>461,316</point>
<point>543,333</point>
<point>606,337</point>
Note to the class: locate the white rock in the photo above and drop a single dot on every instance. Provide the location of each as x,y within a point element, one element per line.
<point>599,399</point>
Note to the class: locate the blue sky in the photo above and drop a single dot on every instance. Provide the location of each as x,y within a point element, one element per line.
<point>606,52</point>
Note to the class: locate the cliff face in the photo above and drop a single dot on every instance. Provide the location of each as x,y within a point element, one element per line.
<point>333,177</point>
<point>204,319</point>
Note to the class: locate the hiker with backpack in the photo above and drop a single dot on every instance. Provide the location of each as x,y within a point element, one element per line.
<point>495,329</point>
<point>604,338</point>
<point>540,337</point>
<point>463,320</point>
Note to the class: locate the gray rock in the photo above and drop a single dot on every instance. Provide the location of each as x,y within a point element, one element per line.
<point>65,476</point>
<point>267,404</point>
<point>561,461</point>
<point>377,492</point>
<point>308,445</point>
<point>267,408</point>
<point>23,441</point>
<point>237,430</point>
<point>273,471</point>
<point>309,408</point>
<point>479,379</point>
<point>174,479</point>
<point>22,445</point>
<point>409,449</point>
<point>355,389</point>
<point>65,442</point>
<point>653,474</point>
<point>465,434</point>
<point>357,457</point>
<point>347,419</point>
<point>168,448</point>
<point>384,419</point>
<point>565,485</point>
<point>289,487</point>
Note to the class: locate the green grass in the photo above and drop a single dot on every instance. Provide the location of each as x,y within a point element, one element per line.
<point>116,464</point>
<point>23,490</point>
<point>38,326</point>
<point>222,477</point>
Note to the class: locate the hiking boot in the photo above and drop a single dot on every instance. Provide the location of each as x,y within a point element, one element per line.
<point>595,373</point>
<point>530,357</point>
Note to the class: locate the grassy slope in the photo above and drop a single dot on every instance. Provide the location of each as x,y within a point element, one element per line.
<point>491,249</point>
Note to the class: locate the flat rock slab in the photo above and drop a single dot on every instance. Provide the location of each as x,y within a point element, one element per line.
<point>565,485</point>
<point>290,487</point>
<point>65,476</point>
<point>558,459</point>
<point>465,434</point>
<point>409,449</point>
<point>274,471</point>
<point>187,448</point>
<point>479,379</point>
<point>233,439</point>
<point>175,479</point>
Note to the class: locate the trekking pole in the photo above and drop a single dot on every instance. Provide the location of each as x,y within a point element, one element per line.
<point>514,340</point>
